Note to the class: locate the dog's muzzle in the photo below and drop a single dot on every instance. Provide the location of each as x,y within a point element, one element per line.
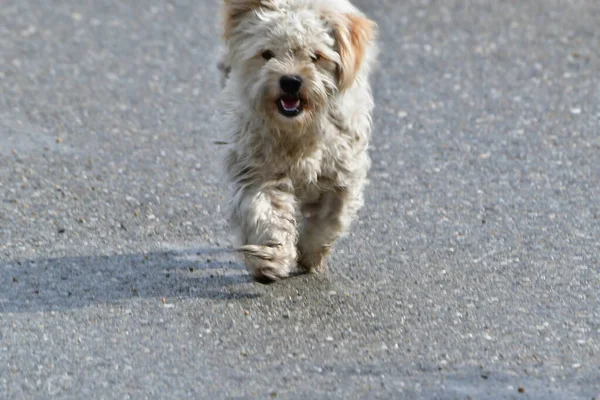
<point>290,102</point>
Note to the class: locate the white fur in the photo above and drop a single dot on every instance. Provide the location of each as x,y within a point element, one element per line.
<point>298,182</point>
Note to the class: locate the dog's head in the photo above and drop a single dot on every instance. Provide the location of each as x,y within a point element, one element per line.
<point>290,57</point>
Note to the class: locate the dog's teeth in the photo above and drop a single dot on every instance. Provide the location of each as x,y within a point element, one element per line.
<point>289,106</point>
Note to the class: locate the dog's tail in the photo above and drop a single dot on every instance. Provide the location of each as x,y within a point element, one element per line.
<point>223,67</point>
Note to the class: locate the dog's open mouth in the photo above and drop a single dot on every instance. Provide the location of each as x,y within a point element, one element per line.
<point>289,105</point>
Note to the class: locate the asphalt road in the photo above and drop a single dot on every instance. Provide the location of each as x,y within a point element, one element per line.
<point>474,271</point>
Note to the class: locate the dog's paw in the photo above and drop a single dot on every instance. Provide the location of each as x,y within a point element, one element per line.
<point>267,263</point>
<point>314,261</point>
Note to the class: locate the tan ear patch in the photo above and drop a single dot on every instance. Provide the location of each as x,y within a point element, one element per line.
<point>233,10</point>
<point>353,33</point>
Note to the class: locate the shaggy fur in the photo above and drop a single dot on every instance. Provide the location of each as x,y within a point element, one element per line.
<point>298,161</point>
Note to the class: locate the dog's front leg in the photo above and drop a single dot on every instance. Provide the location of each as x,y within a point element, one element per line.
<point>265,217</point>
<point>324,222</point>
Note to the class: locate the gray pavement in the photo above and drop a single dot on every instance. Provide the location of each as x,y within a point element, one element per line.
<point>473,273</point>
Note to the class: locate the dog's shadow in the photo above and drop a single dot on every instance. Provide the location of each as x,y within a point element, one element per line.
<point>76,282</point>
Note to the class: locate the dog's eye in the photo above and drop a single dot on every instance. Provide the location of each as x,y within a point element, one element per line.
<point>267,54</point>
<point>316,57</point>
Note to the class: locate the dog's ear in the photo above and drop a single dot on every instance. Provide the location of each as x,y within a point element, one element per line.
<point>352,34</point>
<point>234,10</point>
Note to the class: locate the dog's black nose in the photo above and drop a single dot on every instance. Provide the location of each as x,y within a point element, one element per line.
<point>290,84</point>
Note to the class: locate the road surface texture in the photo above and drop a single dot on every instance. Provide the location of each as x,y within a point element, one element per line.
<point>473,273</point>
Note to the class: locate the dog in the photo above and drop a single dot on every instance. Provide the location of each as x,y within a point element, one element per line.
<point>298,110</point>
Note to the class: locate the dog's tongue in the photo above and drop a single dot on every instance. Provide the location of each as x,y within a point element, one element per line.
<point>290,103</point>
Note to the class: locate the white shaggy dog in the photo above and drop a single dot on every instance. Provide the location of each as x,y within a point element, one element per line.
<point>299,108</point>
